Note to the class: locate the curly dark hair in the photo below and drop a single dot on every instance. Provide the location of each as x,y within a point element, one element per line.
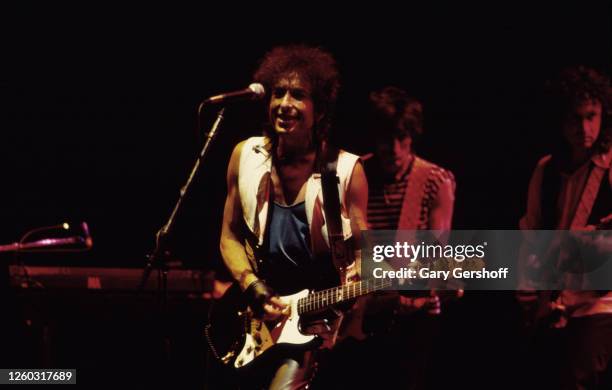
<point>394,113</point>
<point>314,65</point>
<point>576,85</point>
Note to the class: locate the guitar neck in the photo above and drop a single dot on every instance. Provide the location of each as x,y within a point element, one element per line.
<point>322,299</point>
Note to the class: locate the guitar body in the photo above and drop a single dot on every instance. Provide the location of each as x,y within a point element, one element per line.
<point>241,341</point>
<point>540,309</point>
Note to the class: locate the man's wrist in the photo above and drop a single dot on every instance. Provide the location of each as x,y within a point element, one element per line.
<point>257,294</point>
<point>246,279</point>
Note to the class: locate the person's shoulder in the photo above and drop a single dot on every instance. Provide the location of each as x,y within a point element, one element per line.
<point>237,151</point>
<point>258,141</point>
<point>438,173</point>
<point>346,154</point>
<point>347,159</point>
<point>538,173</point>
<point>544,161</point>
<point>254,144</point>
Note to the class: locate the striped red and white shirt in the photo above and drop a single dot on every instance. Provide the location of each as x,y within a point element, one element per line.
<point>386,196</point>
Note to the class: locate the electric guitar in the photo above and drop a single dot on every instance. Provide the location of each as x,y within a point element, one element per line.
<point>540,307</point>
<point>240,340</point>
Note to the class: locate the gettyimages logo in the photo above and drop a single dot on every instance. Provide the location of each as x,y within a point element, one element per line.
<point>423,251</point>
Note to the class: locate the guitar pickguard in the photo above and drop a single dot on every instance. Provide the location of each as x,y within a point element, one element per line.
<point>260,338</point>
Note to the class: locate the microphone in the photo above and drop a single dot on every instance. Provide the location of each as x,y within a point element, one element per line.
<point>88,239</point>
<point>253,92</point>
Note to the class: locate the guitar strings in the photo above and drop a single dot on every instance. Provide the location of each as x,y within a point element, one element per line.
<point>319,296</point>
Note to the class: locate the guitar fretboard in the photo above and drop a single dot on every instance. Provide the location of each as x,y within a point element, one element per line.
<point>322,299</point>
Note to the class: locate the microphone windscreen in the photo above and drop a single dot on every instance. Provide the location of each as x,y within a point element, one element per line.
<point>258,89</point>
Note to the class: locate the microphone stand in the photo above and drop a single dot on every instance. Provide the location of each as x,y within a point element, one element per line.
<point>158,258</point>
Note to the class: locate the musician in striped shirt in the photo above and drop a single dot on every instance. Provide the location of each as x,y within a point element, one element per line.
<point>405,191</point>
<point>410,193</point>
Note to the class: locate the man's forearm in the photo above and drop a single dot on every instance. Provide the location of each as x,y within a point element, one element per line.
<point>235,259</point>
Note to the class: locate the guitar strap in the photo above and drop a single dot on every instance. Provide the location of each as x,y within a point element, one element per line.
<point>332,209</point>
<point>410,214</point>
<point>585,204</point>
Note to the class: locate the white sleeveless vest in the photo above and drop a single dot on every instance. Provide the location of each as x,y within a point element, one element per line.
<point>254,188</point>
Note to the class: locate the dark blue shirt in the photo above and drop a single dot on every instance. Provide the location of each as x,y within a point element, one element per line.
<point>289,266</point>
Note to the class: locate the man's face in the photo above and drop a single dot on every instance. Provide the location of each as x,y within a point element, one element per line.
<point>394,152</point>
<point>291,107</point>
<point>581,127</point>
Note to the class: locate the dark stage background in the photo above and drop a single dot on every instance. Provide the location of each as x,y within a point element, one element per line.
<point>97,108</point>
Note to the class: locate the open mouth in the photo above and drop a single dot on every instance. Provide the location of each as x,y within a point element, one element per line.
<point>286,122</point>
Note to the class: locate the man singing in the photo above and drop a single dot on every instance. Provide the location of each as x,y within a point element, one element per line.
<point>274,237</point>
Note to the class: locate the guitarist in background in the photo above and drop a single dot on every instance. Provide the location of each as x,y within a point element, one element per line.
<point>571,189</point>
<point>274,240</point>
<point>406,192</point>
